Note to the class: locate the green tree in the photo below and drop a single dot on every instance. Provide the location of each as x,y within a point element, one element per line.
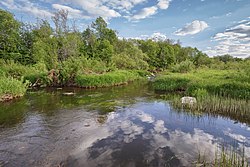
<point>104,51</point>
<point>45,47</point>
<point>101,30</point>
<point>10,41</point>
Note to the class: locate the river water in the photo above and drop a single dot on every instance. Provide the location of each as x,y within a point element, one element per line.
<point>120,126</point>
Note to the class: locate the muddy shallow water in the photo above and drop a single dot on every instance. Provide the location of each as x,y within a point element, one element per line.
<point>121,126</point>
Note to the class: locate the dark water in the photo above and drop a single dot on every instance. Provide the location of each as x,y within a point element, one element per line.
<point>122,126</point>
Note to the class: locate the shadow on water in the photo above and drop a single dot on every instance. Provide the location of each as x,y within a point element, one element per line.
<point>120,126</point>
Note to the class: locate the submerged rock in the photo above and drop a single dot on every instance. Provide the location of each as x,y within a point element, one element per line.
<point>188,100</point>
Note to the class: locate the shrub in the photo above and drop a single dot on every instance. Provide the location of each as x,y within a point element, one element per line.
<point>183,67</point>
<point>107,79</point>
<point>12,87</point>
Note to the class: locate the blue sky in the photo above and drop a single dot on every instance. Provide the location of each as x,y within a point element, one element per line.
<point>214,26</point>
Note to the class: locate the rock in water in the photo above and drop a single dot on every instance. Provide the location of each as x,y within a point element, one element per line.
<point>188,100</point>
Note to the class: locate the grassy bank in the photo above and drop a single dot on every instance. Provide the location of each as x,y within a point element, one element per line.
<point>227,83</point>
<point>11,88</point>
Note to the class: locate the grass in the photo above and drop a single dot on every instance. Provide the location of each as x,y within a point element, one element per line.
<point>236,109</point>
<point>227,83</point>
<point>11,88</point>
<point>105,80</point>
<point>224,158</point>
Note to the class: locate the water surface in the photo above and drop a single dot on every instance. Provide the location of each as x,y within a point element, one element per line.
<point>121,126</point>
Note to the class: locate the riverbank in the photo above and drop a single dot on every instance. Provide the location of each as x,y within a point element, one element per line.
<point>225,83</point>
<point>11,88</point>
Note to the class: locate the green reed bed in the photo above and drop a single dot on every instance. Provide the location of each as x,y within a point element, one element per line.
<point>236,109</point>
<point>107,79</point>
<point>11,88</point>
<point>226,83</point>
<point>224,158</point>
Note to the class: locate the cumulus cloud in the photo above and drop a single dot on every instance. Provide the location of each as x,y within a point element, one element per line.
<point>124,5</point>
<point>73,13</point>
<point>163,4</point>
<point>234,41</point>
<point>144,13</point>
<point>27,7</point>
<point>192,28</point>
<point>88,9</point>
<point>156,36</point>
<point>150,11</point>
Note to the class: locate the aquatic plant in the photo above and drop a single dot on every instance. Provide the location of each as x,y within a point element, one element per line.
<point>225,157</point>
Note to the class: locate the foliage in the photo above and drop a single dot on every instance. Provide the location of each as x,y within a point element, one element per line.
<point>9,36</point>
<point>79,66</point>
<point>183,67</point>
<point>11,87</point>
<point>130,57</point>
<point>59,54</point>
<point>104,80</point>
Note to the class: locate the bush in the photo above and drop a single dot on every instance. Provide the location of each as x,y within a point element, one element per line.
<point>12,87</point>
<point>32,73</point>
<point>107,79</point>
<point>183,67</point>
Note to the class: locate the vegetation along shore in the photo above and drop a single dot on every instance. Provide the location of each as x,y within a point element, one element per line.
<point>41,55</point>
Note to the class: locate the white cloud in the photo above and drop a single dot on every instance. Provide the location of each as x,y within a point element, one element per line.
<point>27,7</point>
<point>150,11</point>
<point>234,41</point>
<point>192,28</point>
<point>163,4</point>
<point>73,13</point>
<point>156,36</point>
<point>124,5</point>
<point>144,13</point>
<point>88,9</point>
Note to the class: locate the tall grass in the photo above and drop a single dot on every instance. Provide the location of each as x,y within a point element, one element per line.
<point>236,109</point>
<point>32,73</point>
<point>107,79</point>
<point>11,88</point>
<point>233,84</point>
<point>224,158</point>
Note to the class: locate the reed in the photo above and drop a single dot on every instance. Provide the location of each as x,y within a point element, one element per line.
<point>224,158</point>
<point>236,109</point>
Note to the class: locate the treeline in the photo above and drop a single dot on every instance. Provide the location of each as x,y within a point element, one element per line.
<point>56,55</point>
<point>29,44</point>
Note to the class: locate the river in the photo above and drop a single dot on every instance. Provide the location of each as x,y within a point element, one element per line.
<point>120,126</point>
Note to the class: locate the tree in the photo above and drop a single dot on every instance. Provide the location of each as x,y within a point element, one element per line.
<point>89,39</point>
<point>101,30</point>
<point>166,55</point>
<point>10,42</point>
<point>60,20</point>
<point>151,49</point>
<point>104,51</point>
<point>129,56</point>
<point>45,45</point>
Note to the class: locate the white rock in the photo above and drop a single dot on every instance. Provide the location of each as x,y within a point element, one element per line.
<point>188,100</point>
